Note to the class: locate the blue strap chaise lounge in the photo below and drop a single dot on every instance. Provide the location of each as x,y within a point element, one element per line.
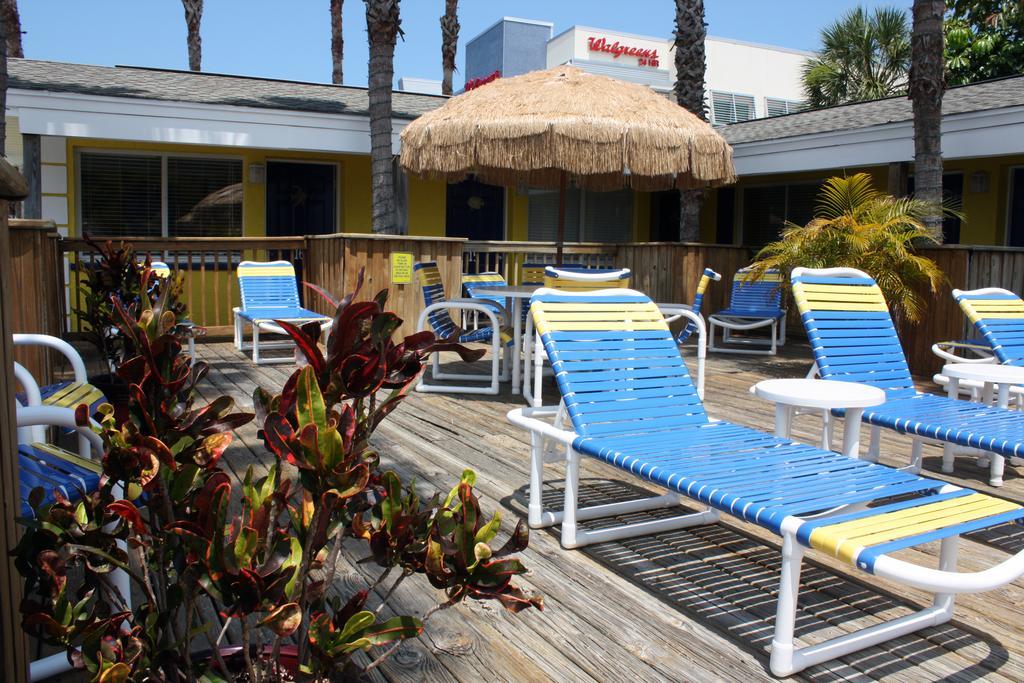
<point>270,292</point>
<point>632,405</point>
<point>853,339</point>
<point>753,305</point>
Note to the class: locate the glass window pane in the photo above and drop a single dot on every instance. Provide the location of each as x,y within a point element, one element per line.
<point>204,197</point>
<point>764,212</point>
<point>120,194</point>
<point>543,215</point>
<point>608,216</point>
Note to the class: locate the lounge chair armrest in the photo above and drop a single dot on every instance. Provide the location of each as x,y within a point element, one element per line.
<point>940,581</point>
<point>35,416</point>
<point>529,418</point>
<point>68,351</point>
<point>29,384</point>
<point>460,305</point>
<point>944,351</point>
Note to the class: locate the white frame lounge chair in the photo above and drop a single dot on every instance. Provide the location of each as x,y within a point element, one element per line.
<point>752,306</point>
<point>853,339</point>
<point>644,416</point>
<point>270,292</point>
<point>436,314</point>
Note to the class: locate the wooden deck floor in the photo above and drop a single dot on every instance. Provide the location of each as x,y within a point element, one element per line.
<point>688,605</point>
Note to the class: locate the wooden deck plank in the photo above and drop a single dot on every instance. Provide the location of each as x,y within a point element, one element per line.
<point>692,604</point>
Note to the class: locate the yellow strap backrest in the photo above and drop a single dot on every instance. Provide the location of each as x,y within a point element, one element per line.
<point>1004,308</point>
<point>860,295</point>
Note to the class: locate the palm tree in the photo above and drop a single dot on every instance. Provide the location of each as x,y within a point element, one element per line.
<point>337,42</point>
<point>193,18</point>
<point>690,33</point>
<point>927,82</point>
<point>12,25</point>
<point>857,226</point>
<point>383,26</point>
<point>863,57</point>
<point>449,43</point>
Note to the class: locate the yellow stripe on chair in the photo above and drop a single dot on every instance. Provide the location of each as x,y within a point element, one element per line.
<point>553,317</point>
<point>585,285</point>
<point>488,277</point>
<point>265,271</point>
<point>73,458</point>
<point>846,540</point>
<point>73,395</point>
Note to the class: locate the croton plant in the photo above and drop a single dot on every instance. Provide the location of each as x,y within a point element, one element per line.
<point>261,555</point>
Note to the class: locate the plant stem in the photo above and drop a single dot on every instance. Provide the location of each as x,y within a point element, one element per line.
<point>74,547</point>
<point>394,648</point>
<point>307,558</point>
<point>244,621</point>
<point>190,606</point>
<point>332,559</point>
<point>215,647</point>
<point>387,596</point>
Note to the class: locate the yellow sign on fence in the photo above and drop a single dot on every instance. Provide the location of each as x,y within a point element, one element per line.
<point>401,267</point>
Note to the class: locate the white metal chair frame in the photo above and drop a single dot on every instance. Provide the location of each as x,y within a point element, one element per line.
<point>735,323</point>
<point>501,358</point>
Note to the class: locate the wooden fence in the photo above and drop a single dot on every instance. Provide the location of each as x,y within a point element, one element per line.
<point>667,271</point>
<point>36,276</point>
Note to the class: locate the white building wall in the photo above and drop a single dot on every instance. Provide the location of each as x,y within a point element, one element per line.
<point>759,70</point>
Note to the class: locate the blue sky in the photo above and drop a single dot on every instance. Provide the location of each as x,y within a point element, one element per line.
<point>291,38</point>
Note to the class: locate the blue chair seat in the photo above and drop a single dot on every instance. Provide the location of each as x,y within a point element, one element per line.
<point>760,313</point>
<point>279,313</point>
<point>50,467</point>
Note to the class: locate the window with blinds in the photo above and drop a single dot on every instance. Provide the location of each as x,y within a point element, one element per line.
<point>204,197</point>
<point>767,209</point>
<point>728,107</point>
<point>608,216</point>
<point>120,195</point>
<point>543,215</point>
<point>774,106</point>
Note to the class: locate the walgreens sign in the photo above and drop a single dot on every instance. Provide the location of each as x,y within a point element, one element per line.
<point>644,56</point>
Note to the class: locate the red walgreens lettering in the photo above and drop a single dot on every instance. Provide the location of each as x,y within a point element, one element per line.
<point>617,49</point>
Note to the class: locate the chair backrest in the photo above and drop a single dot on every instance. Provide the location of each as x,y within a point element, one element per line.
<point>267,284</point>
<point>998,316</point>
<point>532,274</point>
<point>579,278</point>
<point>617,366</point>
<point>472,283</point>
<point>851,332</point>
<point>698,301</point>
<point>160,268</point>
<point>429,277</point>
<point>760,296</point>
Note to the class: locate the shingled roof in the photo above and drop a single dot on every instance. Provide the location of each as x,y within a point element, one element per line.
<point>994,94</point>
<point>206,88</point>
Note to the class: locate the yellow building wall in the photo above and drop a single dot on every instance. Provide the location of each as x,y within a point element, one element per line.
<point>986,211</point>
<point>427,205</point>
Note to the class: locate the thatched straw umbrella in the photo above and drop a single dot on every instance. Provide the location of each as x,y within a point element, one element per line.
<point>545,128</point>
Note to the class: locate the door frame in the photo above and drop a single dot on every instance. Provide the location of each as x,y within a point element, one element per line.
<point>1008,211</point>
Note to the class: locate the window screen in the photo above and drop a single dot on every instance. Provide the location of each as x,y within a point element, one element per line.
<point>608,216</point>
<point>775,106</point>
<point>727,107</point>
<point>120,194</point>
<point>543,215</point>
<point>204,197</point>
<point>764,211</point>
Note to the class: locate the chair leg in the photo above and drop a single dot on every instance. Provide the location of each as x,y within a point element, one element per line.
<point>775,333</point>
<point>785,610</point>
<point>947,457</point>
<point>572,488</point>
<point>256,344</point>
<point>536,480</point>
<point>995,474</point>
<point>874,444</point>
<point>711,335</point>
<point>915,456</point>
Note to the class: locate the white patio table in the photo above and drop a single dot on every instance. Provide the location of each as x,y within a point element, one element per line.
<point>517,294</point>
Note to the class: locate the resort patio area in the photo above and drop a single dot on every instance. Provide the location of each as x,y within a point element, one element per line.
<point>695,604</point>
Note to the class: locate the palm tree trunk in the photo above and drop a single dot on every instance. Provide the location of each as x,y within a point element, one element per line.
<point>689,92</point>
<point>5,31</point>
<point>12,26</point>
<point>337,42</point>
<point>383,25</point>
<point>449,43</point>
<point>927,84</point>
<point>193,18</point>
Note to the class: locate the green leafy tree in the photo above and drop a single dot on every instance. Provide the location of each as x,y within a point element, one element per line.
<point>984,39</point>
<point>863,57</point>
<point>857,226</point>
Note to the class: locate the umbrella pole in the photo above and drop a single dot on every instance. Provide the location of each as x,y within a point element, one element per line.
<point>561,219</point>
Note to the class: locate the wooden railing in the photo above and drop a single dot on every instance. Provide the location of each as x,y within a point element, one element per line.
<point>209,263</point>
<point>668,272</point>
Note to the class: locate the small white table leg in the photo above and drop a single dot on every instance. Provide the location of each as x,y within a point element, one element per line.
<point>851,432</point>
<point>783,420</point>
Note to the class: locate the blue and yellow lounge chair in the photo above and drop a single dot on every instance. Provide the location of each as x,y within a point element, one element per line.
<point>753,305</point>
<point>706,278</point>
<point>473,282</point>
<point>633,406</point>
<point>269,292</point>
<point>853,339</point>
<point>68,393</point>
<point>436,314</point>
